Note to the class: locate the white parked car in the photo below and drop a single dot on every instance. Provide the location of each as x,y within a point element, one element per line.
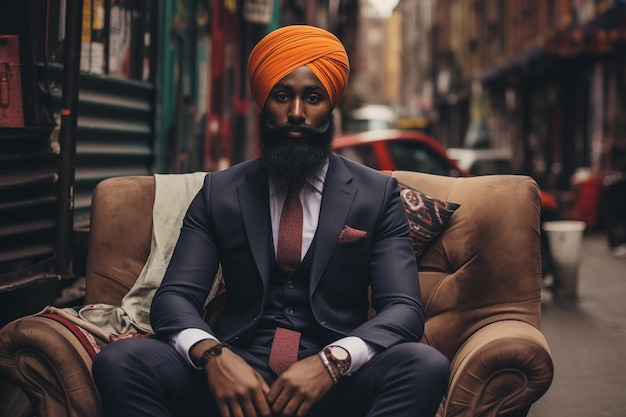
<point>370,117</point>
<point>482,161</point>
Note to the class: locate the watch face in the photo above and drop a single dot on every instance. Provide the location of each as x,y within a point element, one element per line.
<point>339,354</point>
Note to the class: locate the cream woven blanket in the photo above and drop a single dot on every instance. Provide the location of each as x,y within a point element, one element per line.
<point>173,194</point>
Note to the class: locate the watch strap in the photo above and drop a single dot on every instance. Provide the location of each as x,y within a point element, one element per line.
<point>210,353</point>
<point>328,366</point>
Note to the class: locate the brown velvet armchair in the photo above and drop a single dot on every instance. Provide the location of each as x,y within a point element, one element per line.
<point>481,288</point>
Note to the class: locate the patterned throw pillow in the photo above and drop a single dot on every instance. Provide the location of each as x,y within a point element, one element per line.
<point>428,216</point>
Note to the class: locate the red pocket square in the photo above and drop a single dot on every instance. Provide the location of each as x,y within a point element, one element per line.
<point>351,235</point>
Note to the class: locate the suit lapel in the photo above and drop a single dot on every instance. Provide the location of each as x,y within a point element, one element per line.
<point>254,202</point>
<point>336,201</point>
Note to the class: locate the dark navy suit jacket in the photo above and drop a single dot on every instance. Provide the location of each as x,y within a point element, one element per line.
<point>228,223</point>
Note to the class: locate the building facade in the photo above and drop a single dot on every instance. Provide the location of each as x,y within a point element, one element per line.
<point>544,78</point>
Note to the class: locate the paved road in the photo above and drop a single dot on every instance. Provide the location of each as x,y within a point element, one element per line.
<point>587,337</point>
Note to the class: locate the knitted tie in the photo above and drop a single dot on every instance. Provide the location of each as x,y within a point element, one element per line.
<point>284,349</point>
<point>290,233</point>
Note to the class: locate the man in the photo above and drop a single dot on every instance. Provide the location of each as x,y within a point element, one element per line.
<point>294,338</point>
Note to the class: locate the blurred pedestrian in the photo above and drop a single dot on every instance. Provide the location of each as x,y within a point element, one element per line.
<point>613,208</point>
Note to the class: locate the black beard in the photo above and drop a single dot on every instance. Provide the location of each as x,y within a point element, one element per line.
<point>294,160</point>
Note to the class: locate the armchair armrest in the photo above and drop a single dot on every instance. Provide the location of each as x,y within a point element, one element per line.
<point>48,362</point>
<point>500,370</point>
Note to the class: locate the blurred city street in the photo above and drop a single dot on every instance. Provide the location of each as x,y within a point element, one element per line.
<point>587,337</point>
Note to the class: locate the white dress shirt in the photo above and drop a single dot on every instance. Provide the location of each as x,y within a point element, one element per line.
<point>311,199</point>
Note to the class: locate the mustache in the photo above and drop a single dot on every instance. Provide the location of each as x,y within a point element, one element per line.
<point>286,127</point>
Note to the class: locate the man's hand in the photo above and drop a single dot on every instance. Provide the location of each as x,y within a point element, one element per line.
<point>299,387</point>
<point>238,389</point>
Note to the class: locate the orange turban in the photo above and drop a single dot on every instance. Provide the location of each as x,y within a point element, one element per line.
<point>290,47</point>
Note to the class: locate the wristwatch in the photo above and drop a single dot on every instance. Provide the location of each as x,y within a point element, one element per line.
<point>340,357</point>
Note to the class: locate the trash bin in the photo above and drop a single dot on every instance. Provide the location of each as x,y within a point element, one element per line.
<point>565,242</point>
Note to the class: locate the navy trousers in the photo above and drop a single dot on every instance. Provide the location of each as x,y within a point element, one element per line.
<point>147,377</point>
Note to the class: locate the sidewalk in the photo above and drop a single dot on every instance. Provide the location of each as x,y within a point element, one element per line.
<point>587,337</point>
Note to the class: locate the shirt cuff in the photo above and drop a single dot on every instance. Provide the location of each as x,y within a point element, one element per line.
<point>185,339</point>
<point>360,351</point>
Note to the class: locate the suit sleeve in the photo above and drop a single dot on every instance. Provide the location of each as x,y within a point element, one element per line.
<point>394,280</point>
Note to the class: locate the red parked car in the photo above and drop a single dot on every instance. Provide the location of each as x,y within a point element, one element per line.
<point>396,149</point>
<point>409,150</point>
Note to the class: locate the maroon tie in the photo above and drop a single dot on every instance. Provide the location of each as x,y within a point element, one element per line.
<point>284,349</point>
<point>290,233</point>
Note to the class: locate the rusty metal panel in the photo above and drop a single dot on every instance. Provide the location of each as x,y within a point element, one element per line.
<point>114,132</point>
<point>11,110</point>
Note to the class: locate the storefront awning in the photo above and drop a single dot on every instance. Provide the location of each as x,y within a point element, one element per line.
<point>595,41</point>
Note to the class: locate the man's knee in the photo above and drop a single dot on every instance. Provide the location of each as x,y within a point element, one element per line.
<point>438,365</point>
<point>117,357</point>
<point>427,361</point>
<point>105,362</point>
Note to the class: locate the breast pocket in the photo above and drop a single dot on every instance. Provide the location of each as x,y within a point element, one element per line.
<point>352,249</point>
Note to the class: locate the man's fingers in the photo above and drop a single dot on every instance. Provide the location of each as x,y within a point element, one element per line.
<point>243,409</point>
<point>264,387</point>
<point>292,406</point>
<point>278,400</point>
<point>304,408</point>
<point>274,391</point>
<point>295,391</point>
<point>248,408</point>
<point>224,409</point>
<point>261,405</point>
